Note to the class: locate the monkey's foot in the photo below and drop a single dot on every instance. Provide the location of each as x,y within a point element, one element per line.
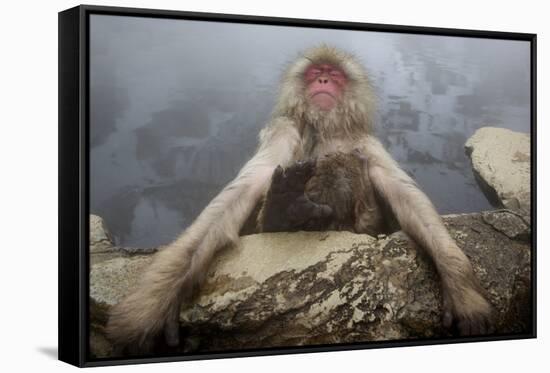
<point>300,212</point>
<point>287,208</point>
<point>308,215</point>
<point>292,180</point>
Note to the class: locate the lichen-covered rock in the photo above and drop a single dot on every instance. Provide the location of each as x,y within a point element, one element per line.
<point>306,288</point>
<point>502,164</point>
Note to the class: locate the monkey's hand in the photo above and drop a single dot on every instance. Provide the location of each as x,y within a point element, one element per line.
<point>287,207</point>
<point>465,306</point>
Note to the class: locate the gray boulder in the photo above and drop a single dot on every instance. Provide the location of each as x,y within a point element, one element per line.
<point>307,288</point>
<point>501,159</point>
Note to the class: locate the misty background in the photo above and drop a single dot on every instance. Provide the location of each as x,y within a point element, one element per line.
<point>176,107</point>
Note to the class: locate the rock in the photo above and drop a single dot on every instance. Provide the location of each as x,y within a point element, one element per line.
<point>101,244</point>
<point>100,239</point>
<point>102,247</point>
<point>502,165</point>
<point>307,288</point>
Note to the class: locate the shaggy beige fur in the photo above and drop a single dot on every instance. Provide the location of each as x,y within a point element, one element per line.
<point>296,131</point>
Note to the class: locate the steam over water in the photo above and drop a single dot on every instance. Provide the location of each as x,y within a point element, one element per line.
<point>176,107</point>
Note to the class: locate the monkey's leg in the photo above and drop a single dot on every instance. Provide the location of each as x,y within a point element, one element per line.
<point>153,305</point>
<point>464,298</point>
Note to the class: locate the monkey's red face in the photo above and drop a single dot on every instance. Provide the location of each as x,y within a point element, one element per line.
<point>325,84</point>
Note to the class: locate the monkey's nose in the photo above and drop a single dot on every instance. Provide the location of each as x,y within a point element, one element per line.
<point>323,80</point>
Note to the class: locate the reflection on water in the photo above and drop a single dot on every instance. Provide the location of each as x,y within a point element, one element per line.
<point>173,118</point>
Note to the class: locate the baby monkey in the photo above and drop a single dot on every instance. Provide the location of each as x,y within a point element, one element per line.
<point>328,193</point>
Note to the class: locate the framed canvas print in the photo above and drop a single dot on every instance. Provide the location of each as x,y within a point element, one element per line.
<point>237,186</point>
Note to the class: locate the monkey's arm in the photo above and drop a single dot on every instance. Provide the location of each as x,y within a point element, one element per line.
<point>463,297</point>
<point>154,304</point>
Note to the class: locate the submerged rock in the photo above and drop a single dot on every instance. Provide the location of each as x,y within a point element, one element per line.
<point>307,288</point>
<point>501,159</point>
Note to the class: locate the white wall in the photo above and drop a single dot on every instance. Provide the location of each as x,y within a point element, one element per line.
<point>28,150</point>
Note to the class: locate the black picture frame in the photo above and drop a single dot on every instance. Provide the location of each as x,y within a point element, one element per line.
<point>74,189</point>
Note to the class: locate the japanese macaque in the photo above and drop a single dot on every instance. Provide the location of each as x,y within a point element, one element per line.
<point>325,105</point>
